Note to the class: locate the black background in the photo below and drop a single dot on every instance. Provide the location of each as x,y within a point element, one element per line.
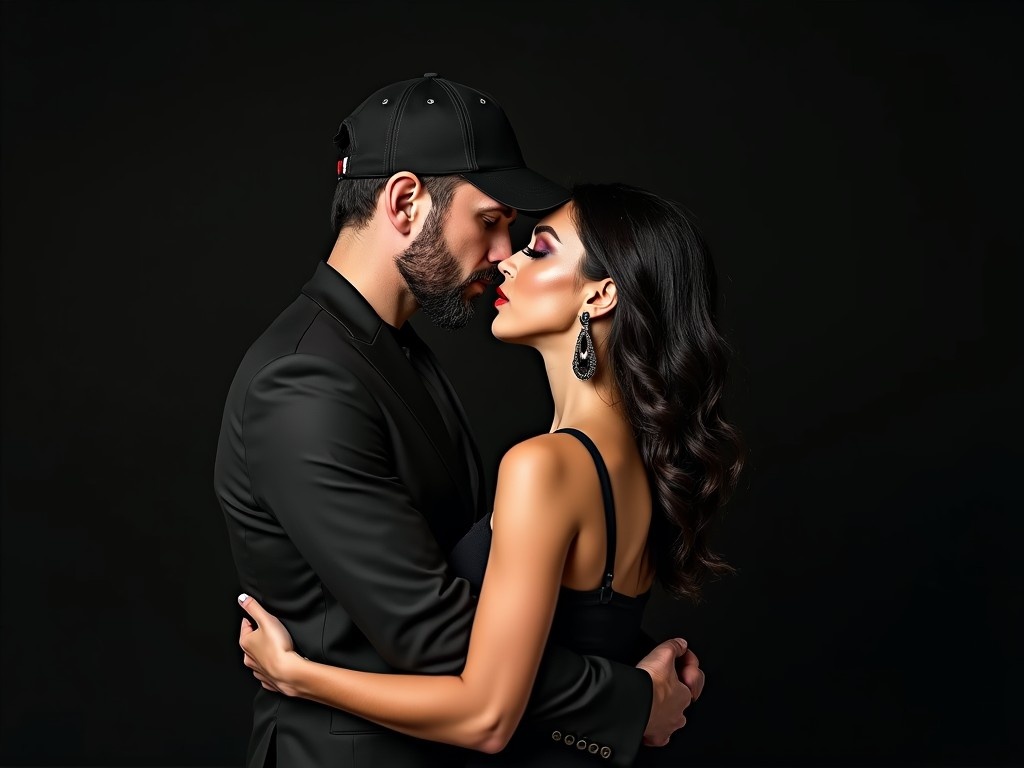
<point>856,168</point>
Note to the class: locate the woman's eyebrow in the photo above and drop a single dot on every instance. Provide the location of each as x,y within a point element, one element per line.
<point>545,228</point>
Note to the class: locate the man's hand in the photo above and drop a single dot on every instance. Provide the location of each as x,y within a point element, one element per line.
<point>688,667</point>
<point>677,678</point>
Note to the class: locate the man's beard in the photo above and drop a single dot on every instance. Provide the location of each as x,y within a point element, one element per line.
<point>433,275</point>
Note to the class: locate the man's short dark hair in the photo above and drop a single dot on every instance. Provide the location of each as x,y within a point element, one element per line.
<point>356,199</point>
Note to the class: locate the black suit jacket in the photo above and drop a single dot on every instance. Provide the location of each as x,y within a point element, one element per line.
<point>343,491</point>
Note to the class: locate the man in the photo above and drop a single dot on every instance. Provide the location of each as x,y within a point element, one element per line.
<point>346,470</point>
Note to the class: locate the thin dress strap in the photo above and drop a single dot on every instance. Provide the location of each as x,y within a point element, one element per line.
<point>605,593</point>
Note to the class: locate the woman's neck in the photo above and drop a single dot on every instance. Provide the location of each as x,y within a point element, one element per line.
<point>578,403</point>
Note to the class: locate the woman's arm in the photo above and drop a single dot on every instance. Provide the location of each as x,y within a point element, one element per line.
<point>479,709</point>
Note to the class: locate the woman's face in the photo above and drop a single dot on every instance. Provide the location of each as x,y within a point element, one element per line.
<point>541,294</point>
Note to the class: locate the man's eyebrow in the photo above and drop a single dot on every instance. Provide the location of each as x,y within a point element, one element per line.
<point>545,228</point>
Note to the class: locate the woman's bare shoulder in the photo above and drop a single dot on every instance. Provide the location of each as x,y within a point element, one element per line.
<point>540,473</point>
<point>547,460</point>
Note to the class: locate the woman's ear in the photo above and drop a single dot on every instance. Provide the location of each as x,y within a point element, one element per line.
<point>404,199</point>
<point>602,296</point>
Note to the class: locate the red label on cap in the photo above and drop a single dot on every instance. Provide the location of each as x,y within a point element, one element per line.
<point>341,167</point>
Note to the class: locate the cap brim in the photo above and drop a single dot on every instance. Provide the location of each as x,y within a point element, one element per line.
<point>519,188</point>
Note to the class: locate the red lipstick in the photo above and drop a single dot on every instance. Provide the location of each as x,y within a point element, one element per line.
<point>502,298</point>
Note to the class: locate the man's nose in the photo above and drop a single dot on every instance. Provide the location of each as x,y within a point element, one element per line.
<point>500,250</point>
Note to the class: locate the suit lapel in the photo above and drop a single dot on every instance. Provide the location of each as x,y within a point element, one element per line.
<point>391,363</point>
<point>471,448</point>
<point>376,344</point>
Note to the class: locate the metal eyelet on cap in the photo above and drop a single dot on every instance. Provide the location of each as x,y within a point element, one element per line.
<point>430,101</point>
<point>483,101</point>
<point>385,101</point>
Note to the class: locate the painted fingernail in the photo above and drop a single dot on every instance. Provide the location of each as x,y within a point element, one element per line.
<point>243,597</point>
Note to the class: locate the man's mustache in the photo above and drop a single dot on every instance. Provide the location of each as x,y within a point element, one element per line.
<point>489,276</point>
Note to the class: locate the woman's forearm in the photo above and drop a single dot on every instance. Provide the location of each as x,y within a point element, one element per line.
<point>452,709</point>
<point>480,708</point>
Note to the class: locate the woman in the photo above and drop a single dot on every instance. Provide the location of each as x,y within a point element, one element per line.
<point>616,292</point>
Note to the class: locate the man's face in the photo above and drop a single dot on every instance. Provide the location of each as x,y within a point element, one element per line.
<point>454,257</point>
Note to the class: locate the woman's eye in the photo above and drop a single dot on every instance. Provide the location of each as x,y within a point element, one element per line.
<point>533,253</point>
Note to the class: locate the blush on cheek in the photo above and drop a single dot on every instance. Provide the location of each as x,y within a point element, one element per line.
<point>549,289</point>
<point>544,301</point>
<point>545,279</point>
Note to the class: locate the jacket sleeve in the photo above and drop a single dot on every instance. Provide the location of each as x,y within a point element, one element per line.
<point>591,698</point>
<point>320,461</point>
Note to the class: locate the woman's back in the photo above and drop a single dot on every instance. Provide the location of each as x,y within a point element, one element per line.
<point>607,575</point>
<point>592,616</point>
<point>613,453</point>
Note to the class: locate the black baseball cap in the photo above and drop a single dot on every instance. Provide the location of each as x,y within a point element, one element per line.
<point>435,127</point>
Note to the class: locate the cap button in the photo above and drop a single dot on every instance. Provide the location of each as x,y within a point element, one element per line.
<point>430,74</point>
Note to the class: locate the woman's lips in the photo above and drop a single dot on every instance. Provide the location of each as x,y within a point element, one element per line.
<point>502,298</point>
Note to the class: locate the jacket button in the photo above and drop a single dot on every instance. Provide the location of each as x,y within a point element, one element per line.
<point>581,744</point>
<point>606,752</point>
<point>569,739</point>
<point>592,749</point>
<point>556,735</point>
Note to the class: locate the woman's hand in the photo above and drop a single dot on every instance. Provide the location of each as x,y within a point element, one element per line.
<point>269,651</point>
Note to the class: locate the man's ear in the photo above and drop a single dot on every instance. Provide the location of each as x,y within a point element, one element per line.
<point>404,198</point>
<point>602,296</point>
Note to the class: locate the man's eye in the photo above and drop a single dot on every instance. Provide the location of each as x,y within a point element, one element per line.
<point>488,223</point>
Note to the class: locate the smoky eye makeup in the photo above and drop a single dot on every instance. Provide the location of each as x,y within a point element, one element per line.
<point>540,248</point>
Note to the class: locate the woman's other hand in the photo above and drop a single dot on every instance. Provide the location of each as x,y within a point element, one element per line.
<point>269,651</point>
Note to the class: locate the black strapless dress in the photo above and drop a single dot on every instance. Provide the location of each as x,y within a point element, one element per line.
<point>599,622</point>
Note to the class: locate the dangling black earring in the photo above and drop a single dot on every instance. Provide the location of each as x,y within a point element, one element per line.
<point>584,359</point>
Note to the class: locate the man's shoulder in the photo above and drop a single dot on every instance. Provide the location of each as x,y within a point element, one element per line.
<point>304,342</point>
<point>304,327</point>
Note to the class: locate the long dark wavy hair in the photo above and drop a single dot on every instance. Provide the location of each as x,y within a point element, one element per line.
<point>670,364</point>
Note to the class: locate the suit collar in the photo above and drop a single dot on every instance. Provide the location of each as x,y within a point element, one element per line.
<point>339,297</point>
